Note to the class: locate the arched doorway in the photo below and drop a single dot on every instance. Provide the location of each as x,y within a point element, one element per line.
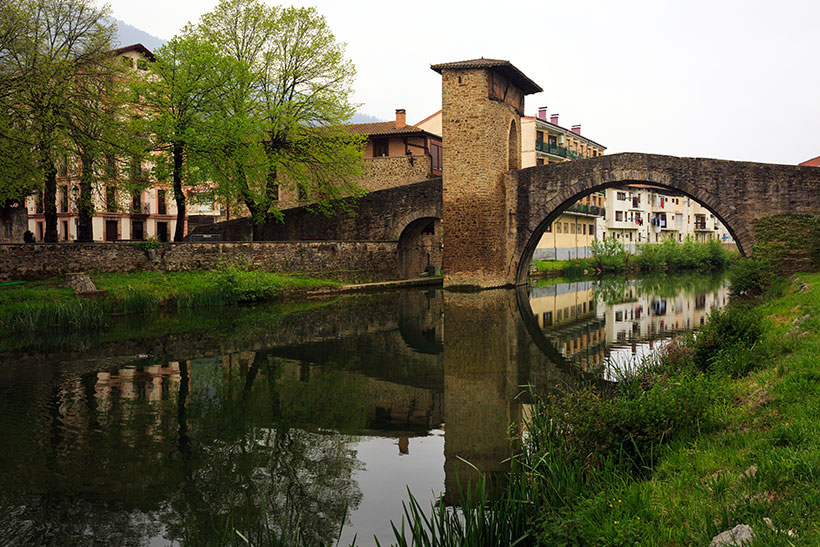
<point>420,248</point>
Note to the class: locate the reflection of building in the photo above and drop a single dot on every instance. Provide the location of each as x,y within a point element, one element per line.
<point>643,214</point>
<point>645,317</point>
<point>566,312</point>
<point>544,142</point>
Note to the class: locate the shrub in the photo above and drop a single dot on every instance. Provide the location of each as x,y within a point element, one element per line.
<point>632,422</point>
<point>751,276</point>
<point>28,237</point>
<point>609,255</point>
<point>730,330</point>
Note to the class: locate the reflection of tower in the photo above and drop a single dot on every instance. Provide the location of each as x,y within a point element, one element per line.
<point>480,384</point>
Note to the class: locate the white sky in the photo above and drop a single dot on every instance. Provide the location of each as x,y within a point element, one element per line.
<point>731,79</point>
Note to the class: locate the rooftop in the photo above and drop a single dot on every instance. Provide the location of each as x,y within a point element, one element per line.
<point>504,67</point>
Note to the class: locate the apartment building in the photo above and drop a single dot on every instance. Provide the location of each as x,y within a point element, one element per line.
<point>544,142</point>
<point>150,213</point>
<point>643,214</point>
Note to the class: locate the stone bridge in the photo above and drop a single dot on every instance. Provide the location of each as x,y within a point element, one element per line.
<point>738,193</point>
<point>493,213</point>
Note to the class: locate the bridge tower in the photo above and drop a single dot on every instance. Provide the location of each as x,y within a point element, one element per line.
<point>482,101</point>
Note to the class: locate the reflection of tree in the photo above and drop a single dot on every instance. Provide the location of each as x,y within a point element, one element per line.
<point>252,466</point>
<point>151,454</point>
<point>618,289</point>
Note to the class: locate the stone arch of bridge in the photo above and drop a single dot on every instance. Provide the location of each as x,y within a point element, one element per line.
<point>420,248</point>
<point>552,202</point>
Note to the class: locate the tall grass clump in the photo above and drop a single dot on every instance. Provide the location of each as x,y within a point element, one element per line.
<point>730,335</point>
<point>68,315</point>
<point>139,302</point>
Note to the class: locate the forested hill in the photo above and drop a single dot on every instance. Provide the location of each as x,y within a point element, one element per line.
<point>129,34</point>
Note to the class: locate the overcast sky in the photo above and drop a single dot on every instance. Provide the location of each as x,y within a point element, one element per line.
<point>731,79</point>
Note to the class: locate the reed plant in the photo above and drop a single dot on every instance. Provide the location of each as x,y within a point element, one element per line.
<point>72,315</point>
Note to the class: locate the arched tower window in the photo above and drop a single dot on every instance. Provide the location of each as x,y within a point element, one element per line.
<point>514,148</point>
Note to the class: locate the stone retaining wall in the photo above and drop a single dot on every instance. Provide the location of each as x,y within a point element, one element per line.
<point>357,261</point>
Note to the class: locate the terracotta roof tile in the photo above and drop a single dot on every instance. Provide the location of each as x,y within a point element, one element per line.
<point>505,67</point>
<point>382,128</point>
<point>814,162</point>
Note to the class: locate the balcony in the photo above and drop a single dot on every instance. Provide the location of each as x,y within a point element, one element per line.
<point>700,226</point>
<point>591,210</point>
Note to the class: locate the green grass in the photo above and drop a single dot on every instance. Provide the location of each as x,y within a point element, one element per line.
<point>48,304</point>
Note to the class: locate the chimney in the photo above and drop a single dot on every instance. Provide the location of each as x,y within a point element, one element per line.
<point>401,118</point>
<point>542,113</point>
<point>576,129</point>
<point>554,119</point>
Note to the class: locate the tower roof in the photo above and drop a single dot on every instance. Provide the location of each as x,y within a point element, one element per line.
<point>505,67</point>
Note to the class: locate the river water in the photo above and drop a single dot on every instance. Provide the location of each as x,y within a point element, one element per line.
<point>320,416</point>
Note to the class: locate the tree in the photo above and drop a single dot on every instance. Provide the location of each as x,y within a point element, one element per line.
<point>99,127</point>
<point>51,48</point>
<point>280,122</point>
<point>188,76</point>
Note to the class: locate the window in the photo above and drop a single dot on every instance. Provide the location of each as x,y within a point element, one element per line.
<point>381,148</point>
<point>136,202</point>
<point>572,228</point>
<point>435,155</point>
<point>162,204</point>
<point>137,230</point>
<point>558,227</point>
<point>111,166</point>
<point>111,199</point>
<point>619,215</point>
<point>592,229</point>
<point>566,228</point>
<point>549,228</point>
<point>585,229</point>
<point>65,230</point>
<point>64,199</point>
<point>621,196</point>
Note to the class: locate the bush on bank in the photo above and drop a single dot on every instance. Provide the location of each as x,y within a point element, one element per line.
<point>610,255</point>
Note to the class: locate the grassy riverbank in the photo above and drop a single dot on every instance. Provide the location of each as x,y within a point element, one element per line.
<point>722,429</point>
<point>47,304</point>
<point>611,256</point>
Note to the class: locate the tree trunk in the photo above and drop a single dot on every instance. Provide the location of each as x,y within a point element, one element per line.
<point>50,201</point>
<point>85,205</point>
<point>179,194</point>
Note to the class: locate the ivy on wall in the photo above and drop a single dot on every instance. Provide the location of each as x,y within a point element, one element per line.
<point>789,242</point>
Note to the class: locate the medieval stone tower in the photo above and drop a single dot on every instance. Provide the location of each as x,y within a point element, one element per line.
<point>482,102</point>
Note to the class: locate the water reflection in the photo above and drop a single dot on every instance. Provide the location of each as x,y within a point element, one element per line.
<point>617,321</point>
<point>318,418</point>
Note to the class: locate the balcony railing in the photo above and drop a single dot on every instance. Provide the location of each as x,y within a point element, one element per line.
<point>700,226</point>
<point>593,210</point>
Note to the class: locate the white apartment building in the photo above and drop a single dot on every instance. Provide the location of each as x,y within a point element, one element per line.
<point>644,214</point>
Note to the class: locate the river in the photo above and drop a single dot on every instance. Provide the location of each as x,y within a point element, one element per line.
<point>318,416</point>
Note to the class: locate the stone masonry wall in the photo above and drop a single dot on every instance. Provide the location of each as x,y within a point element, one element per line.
<point>380,215</point>
<point>476,131</point>
<point>350,261</point>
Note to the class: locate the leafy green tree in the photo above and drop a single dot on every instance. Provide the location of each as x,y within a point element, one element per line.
<point>49,49</point>
<point>279,123</point>
<point>188,79</point>
<point>99,128</point>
